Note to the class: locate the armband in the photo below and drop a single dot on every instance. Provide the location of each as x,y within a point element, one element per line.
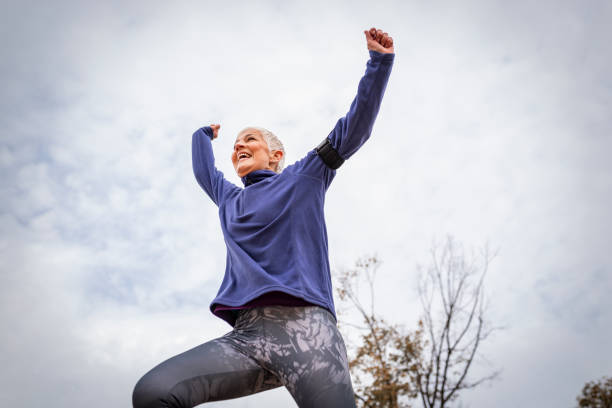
<point>329,155</point>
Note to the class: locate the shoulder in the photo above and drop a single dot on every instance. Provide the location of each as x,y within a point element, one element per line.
<point>312,167</point>
<point>311,164</point>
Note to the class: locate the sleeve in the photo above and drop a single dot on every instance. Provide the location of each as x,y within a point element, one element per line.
<point>209,178</point>
<point>352,130</point>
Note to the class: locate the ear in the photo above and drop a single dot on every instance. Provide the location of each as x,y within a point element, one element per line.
<point>276,156</point>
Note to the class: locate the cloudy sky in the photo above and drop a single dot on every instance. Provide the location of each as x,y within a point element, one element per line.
<point>495,127</point>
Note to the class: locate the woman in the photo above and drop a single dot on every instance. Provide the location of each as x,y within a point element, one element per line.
<point>276,292</point>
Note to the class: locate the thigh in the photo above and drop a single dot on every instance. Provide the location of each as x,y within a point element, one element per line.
<point>213,371</point>
<point>309,356</point>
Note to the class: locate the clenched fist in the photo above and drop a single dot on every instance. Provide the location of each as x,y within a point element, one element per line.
<point>215,129</point>
<point>379,41</point>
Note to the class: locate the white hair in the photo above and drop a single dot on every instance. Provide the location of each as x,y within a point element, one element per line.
<point>273,142</point>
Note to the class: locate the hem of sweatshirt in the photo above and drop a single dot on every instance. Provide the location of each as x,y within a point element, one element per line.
<point>272,288</point>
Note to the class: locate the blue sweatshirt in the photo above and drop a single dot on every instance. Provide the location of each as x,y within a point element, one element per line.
<point>274,228</point>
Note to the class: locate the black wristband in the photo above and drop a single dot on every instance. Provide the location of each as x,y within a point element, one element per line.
<point>329,155</point>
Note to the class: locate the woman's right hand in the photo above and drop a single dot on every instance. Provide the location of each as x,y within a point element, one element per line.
<point>215,129</point>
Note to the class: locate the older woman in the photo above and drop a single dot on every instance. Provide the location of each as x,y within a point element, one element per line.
<point>276,292</point>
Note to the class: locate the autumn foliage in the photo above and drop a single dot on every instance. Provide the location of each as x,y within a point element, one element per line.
<point>596,394</point>
<point>384,363</point>
<point>391,366</point>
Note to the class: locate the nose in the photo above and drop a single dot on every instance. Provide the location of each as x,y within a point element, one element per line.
<point>238,145</point>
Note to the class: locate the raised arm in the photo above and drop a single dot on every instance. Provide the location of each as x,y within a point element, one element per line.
<point>209,178</point>
<point>351,131</point>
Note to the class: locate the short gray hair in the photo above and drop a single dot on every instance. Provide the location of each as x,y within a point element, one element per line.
<point>273,142</point>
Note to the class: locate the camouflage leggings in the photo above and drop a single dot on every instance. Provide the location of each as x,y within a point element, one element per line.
<point>298,347</point>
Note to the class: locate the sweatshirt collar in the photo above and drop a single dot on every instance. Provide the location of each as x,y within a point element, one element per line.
<point>256,176</point>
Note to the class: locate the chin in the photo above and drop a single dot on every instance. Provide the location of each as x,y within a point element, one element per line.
<point>241,172</point>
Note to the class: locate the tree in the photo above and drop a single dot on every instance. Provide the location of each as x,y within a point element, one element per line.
<point>384,364</point>
<point>596,394</point>
<point>432,362</point>
<point>454,322</point>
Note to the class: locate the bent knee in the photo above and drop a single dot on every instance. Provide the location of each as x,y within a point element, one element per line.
<point>154,390</point>
<point>151,392</point>
<point>144,394</point>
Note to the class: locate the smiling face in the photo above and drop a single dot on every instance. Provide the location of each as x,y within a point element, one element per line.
<point>251,152</point>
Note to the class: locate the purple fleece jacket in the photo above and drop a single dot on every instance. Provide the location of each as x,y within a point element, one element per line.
<point>274,228</point>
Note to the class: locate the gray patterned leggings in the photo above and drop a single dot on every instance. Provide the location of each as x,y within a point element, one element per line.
<point>298,347</point>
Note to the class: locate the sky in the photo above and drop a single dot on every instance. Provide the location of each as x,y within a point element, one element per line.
<point>495,128</point>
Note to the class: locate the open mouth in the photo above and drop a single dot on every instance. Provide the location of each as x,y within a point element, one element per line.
<point>243,155</point>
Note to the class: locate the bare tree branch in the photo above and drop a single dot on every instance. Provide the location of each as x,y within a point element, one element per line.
<point>456,322</point>
<point>384,364</point>
<point>433,362</point>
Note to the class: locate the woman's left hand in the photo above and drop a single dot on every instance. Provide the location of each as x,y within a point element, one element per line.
<point>379,41</point>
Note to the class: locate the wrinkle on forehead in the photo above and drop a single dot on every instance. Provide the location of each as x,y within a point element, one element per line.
<point>247,132</point>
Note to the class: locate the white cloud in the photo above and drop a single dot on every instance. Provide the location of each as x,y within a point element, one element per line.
<point>494,127</point>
